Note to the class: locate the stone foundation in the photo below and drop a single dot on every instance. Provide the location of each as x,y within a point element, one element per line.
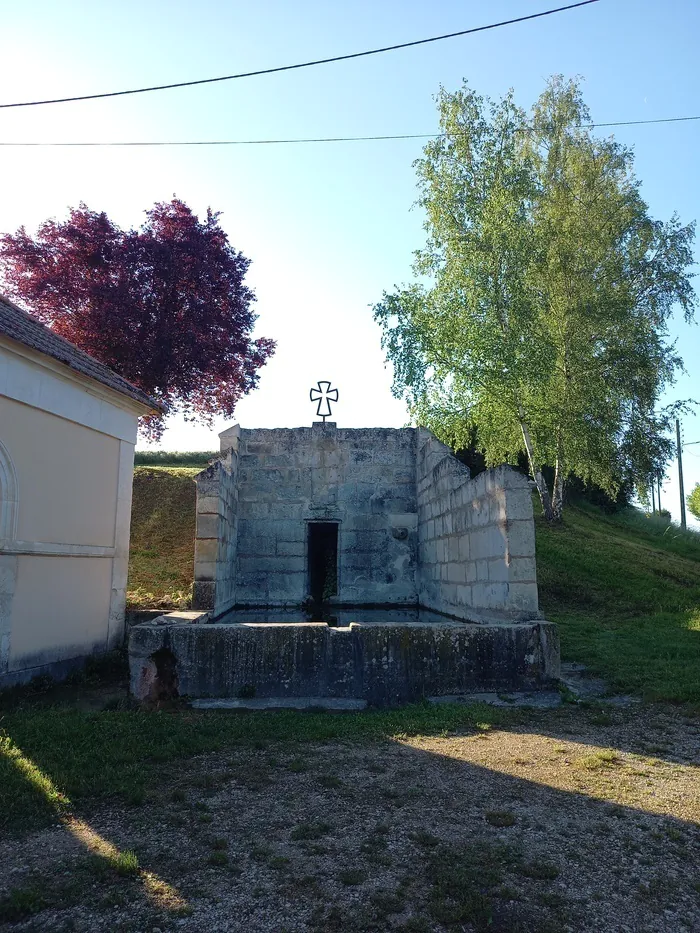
<point>382,663</point>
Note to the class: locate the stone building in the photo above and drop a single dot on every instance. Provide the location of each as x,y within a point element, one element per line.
<point>374,516</point>
<point>67,433</point>
<point>419,581</point>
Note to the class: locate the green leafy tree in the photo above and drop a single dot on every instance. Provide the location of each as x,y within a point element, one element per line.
<point>693,501</point>
<point>539,318</point>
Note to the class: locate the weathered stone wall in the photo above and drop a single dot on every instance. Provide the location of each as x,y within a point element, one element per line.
<point>413,527</point>
<point>476,537</point>
<point>216,534</point>
<point>384,664</point>
<point>362,479</point>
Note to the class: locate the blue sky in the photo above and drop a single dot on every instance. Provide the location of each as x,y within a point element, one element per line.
<point>328,227</point>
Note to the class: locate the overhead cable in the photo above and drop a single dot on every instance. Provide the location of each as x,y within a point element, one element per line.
<point>314,139</point>
<point>319,61</point>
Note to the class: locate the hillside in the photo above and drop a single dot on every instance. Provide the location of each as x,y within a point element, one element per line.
<point>162,537</point>
<point>624,589</point>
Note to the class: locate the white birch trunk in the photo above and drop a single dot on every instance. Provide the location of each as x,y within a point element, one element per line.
<point>537,474</point>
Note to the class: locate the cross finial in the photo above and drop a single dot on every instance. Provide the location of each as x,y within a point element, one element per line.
<point>325,395</point>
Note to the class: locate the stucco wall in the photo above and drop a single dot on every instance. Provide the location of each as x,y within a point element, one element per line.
<point>66,452</point>
<point>45,589</point>
<point>476,537</point>
<point>72,472</point>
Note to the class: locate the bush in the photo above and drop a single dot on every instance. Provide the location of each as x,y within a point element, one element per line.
<point>172,457</point>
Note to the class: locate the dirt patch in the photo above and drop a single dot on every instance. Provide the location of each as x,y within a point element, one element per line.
<point>582,820</point>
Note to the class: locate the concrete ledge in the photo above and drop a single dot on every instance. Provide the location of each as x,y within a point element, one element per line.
<point>381,663</point>
<point>331,704</point>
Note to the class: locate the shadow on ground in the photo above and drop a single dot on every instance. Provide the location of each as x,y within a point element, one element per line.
<point>553,824</point>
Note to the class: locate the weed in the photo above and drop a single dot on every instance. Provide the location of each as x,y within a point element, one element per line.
<point>21,901</point>
<point>600,718</point>
<point>607,758</point>
<point>308,831</point>
<point>500,818</point>
<point>278,862</point>
<point>415,925</point>
<point>427,840</point>
<point>386,903</point>
<point>539,870</point>
<point>218,858</point>
<point>297,765</point>
<point>330,781</point>
<point>352,876</point>
<point>219,844</point>
<point>461,884</point>
<point>124,863</point>
<point>260,853</point>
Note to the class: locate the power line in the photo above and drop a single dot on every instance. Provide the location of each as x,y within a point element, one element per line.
<point>642,122</point>
<point>319,61</point>
<point>315,139</point>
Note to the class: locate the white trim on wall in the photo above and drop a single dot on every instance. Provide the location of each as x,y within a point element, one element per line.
<point>9,497</point>
<point>32,380</point>
<point>120,564</point>
<point>52,549</point>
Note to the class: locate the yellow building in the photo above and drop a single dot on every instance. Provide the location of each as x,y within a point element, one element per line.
<point>67,432</point>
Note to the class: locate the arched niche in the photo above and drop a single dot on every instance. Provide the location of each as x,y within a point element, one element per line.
<point>9,496</point>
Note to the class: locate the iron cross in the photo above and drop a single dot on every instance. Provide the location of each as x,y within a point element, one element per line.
<point>325,395</point>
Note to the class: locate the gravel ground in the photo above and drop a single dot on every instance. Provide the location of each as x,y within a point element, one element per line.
<point>579,820</point>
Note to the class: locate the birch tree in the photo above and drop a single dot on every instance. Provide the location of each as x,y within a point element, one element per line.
<point>540,311</point>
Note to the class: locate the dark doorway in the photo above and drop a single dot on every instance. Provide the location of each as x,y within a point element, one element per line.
<point>323,560</point>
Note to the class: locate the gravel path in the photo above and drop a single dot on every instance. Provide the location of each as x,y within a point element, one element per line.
<point>580,820</point>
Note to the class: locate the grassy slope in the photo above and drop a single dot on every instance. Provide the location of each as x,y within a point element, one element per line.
<point>625,592</point>
<point>162,537</point>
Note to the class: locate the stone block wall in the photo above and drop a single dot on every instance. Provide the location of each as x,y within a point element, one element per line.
<point>476,549</point>
<point>363,480</point>
<point>413,526</point>
<point>216,534</point>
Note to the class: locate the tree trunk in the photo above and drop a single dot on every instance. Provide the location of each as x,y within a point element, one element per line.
<point>558,488</point>
<point>537,475</point>
<point>558,493</point>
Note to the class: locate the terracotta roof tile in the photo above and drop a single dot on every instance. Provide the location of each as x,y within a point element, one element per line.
<point>20,326</point>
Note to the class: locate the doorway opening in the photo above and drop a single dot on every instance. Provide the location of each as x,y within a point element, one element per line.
<point>323,560</point>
